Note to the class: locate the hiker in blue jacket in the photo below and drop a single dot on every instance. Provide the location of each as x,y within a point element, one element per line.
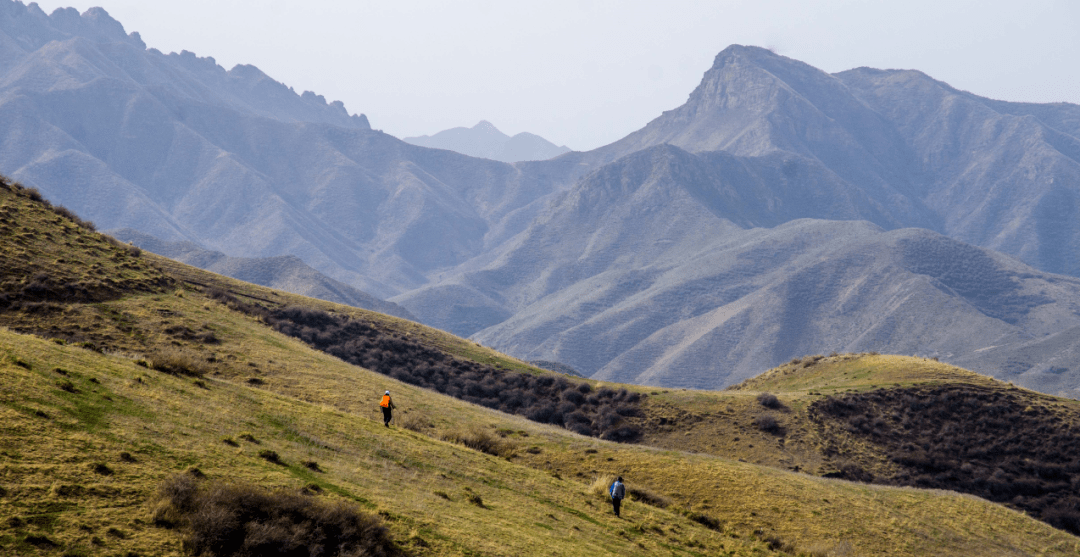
<point>618,491</point>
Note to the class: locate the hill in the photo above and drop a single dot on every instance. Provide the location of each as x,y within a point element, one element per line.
<point>484,140</point>
<point>890,420</point>
<point>168,378</point>
<point>285,272</point>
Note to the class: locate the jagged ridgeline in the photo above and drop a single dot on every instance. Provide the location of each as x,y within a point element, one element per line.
<point>576,405</point>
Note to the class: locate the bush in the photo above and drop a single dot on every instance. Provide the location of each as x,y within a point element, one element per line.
<point>648,497</point>
<point>768,423</point>
<point>271,456</point>
<point>481,440</point>
<point>225,519</point>
<point>769,400</point>
<point>179,361</point>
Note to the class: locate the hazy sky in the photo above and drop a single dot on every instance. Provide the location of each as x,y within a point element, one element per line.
<point>585,73</point>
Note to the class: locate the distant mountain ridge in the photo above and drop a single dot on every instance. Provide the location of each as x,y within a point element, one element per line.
<point>685,253</point>
<point>284,272</point>
<point>484,140</point>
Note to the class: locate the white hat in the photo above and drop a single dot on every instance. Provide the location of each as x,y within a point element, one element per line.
<point>387,392</point>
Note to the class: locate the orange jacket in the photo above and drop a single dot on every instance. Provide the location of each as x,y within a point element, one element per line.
<point>386,402</point>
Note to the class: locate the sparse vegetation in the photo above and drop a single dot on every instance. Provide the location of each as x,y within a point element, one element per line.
<point>971,439</point>
<point>541,398</point>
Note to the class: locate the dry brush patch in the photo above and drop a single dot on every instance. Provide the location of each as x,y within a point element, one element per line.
<point>233,518</point>
<point>1012,447</point>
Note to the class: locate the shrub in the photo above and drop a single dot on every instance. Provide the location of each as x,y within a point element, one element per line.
<point>705,520</point>
<point>475,499</point>
<point>480,439</point>
<point>769,400</point>
<point>178,361</point>
<point>643,495</point>
<point>270,456</point>
<point>226,519</point>
<point>768,423</point>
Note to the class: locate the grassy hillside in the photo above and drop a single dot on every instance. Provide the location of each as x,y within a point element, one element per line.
<point>891,420</point>
<point>92,427</point>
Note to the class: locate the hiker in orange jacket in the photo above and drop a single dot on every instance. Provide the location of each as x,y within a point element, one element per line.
<point>387,405</point>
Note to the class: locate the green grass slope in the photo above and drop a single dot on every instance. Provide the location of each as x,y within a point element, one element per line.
<point>90,431</point>
<point>892,420</point>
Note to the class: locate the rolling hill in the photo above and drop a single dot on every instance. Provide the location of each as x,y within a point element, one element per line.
<point>123,369</point>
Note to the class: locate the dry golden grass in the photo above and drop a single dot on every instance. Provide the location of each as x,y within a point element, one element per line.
<point>166,424</point>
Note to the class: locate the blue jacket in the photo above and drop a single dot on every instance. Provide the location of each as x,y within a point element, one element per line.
<point>618,490</point>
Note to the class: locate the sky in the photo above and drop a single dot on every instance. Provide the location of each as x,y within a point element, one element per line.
<point>586,73</point>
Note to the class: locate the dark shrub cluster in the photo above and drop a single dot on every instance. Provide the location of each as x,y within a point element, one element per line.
<point>220,519</point>
<point>769,400</point>
<point>986,442</point>
<point>541,398</point>
<point>768,423</point>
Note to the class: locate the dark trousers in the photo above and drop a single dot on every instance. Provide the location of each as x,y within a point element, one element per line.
<point>387,413</point>
<point>615,502</point>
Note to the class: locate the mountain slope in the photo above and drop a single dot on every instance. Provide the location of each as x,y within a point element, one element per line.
<point>643,273</point>
<point>484,140</point>
<point>177,147</point>
<point>284,272</point>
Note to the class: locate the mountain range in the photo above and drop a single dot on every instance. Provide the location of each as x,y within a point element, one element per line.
<point>780,211</point>
<point>485,141</point>
<point>284,272</point>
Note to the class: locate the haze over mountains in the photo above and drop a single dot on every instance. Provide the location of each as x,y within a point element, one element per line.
<point>484,140</point>
<point>772,215</point>
<point>284,272</point>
